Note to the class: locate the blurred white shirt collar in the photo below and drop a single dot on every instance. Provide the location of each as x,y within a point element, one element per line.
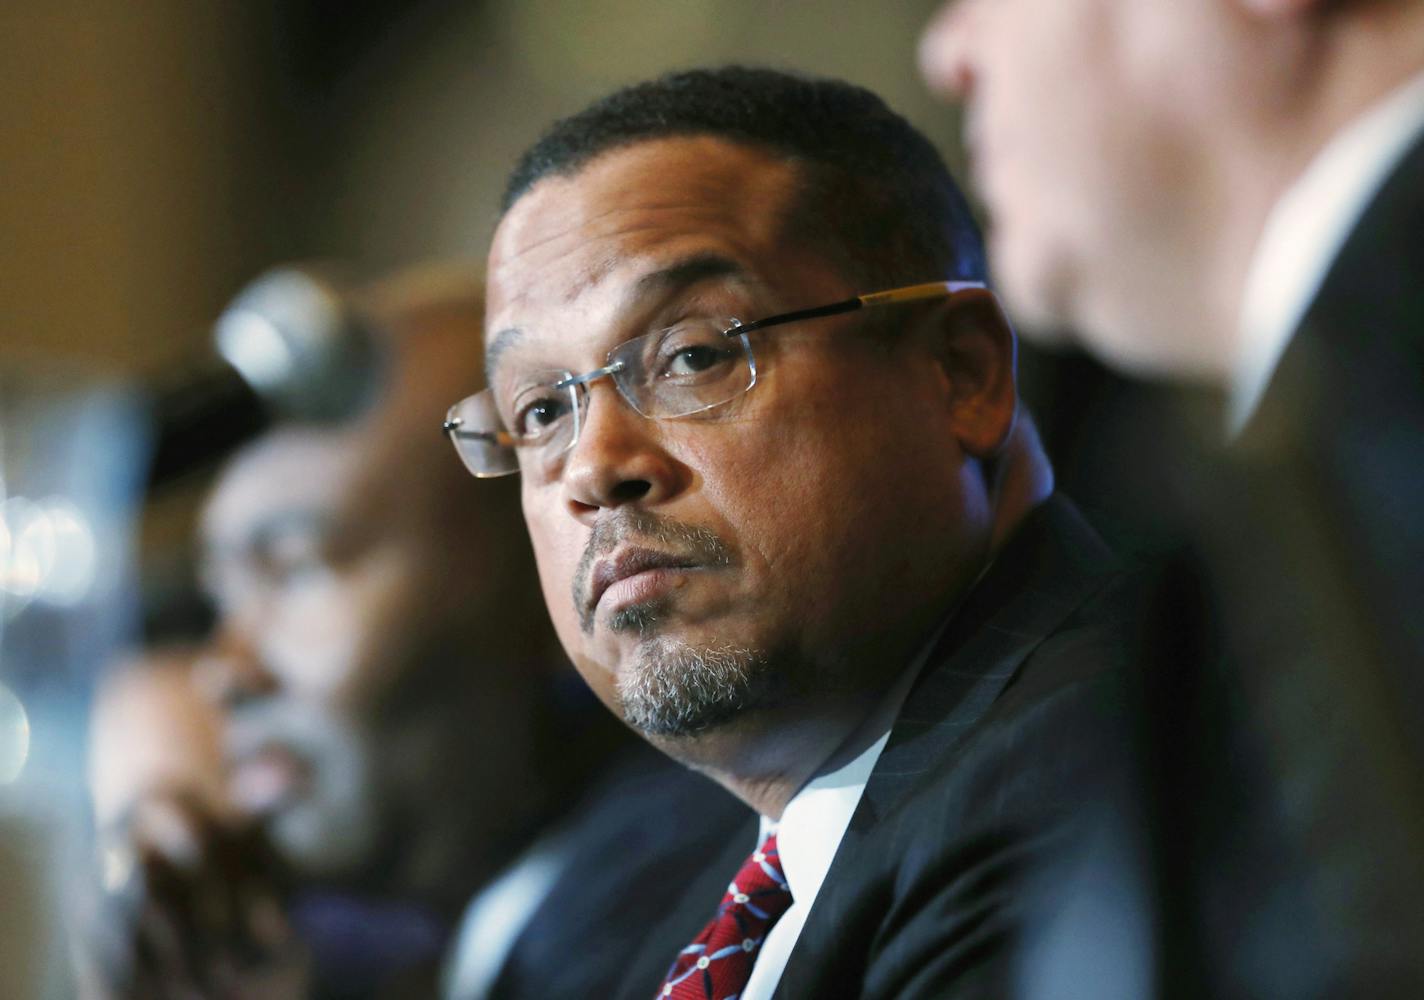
<point>1306,231</point>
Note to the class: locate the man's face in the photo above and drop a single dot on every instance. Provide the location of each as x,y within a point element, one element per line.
<point>700,568</point>
<point>319,624</point>
<point>1085,122</point>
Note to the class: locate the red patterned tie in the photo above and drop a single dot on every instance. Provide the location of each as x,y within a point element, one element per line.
<point>718,964</point>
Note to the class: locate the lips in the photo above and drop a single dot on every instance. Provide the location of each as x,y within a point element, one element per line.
<point>624,564</point>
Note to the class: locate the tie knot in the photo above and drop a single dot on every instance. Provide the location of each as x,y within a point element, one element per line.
<point>760,884</point>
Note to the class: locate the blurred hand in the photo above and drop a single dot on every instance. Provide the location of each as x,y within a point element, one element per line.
<point>189,906</point>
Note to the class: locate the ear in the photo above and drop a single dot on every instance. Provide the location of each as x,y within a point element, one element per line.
<point>973,345</point>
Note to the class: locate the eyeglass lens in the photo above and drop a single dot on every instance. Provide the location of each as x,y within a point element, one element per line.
<point>685,369</point>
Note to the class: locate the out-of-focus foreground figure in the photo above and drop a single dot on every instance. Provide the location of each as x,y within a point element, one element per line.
<point>397,726</point>
<point>1234,191</point>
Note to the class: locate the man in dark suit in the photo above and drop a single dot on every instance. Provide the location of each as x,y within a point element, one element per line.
<point>812,554</point>
<point>1234,192</point>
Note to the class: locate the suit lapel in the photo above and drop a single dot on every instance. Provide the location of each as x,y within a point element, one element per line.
<point>1358,349</point>
<point>690,905</point>
<point>1054,564</point>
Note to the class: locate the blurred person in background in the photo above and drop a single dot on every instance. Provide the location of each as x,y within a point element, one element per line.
<point>1233,191</point>
<point>397,727</point>
<point>157,782</point>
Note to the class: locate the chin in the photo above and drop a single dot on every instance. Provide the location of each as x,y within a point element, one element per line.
<point>671,687</point>
<point>1037,286</point>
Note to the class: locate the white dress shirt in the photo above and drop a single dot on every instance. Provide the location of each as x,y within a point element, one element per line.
<point>1306,231</point>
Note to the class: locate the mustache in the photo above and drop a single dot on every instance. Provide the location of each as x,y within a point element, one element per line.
<point>683,541</point>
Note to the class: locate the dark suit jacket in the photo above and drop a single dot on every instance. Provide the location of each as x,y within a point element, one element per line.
<point>1332,463</point>
<point>1013,720</point>
<point>1307,853</point>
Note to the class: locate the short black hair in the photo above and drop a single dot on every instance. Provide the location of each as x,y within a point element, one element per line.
<point>876,197</point>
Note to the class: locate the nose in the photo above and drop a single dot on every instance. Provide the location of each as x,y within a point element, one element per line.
<point>619,458</point>
<point>229,672</point>
<point>947,48</point>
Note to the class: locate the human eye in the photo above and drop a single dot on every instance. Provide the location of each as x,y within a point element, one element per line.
<point>539,413</point>
<point>290,558</point>
<point>694,351</point>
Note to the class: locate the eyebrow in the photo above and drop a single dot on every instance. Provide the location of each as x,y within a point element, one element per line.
<point>686,273</point>
<point>300,520</point>
<point>675,277</point>
<point>257,538</point>
<point>502,342</point>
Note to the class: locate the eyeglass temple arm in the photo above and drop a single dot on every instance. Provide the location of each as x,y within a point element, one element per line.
<point>910,293</point>
<point>455,428</point>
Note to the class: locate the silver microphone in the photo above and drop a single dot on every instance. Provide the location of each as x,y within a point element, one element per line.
<point>290,345</point>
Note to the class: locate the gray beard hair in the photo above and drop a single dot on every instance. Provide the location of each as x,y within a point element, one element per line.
<point>676,690</point>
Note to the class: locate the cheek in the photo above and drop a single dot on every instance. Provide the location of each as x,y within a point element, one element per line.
<point>557,560</point>
<point>345,637</point>
<point>558,543</point>
<point>1051,94</point>
<point>807,493</point>
<point>311,641</point>
<point>1066,145</point>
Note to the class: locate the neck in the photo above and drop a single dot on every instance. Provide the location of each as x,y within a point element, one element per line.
<point>1286,84</point>
<point>1337,72</point>
<point>829,713</point>
<point>765,758</point>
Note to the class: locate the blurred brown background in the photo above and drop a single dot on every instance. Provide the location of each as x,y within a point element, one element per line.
<point>158,155</point>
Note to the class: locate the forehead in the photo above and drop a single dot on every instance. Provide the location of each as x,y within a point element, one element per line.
<point>297,478</point>
<point>585,241</point>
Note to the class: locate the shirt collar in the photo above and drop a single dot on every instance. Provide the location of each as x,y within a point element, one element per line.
<point>815,820</point>
<point>1305,232</point>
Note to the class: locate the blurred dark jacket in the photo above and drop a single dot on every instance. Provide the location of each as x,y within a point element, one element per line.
<point>1288,779</point>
